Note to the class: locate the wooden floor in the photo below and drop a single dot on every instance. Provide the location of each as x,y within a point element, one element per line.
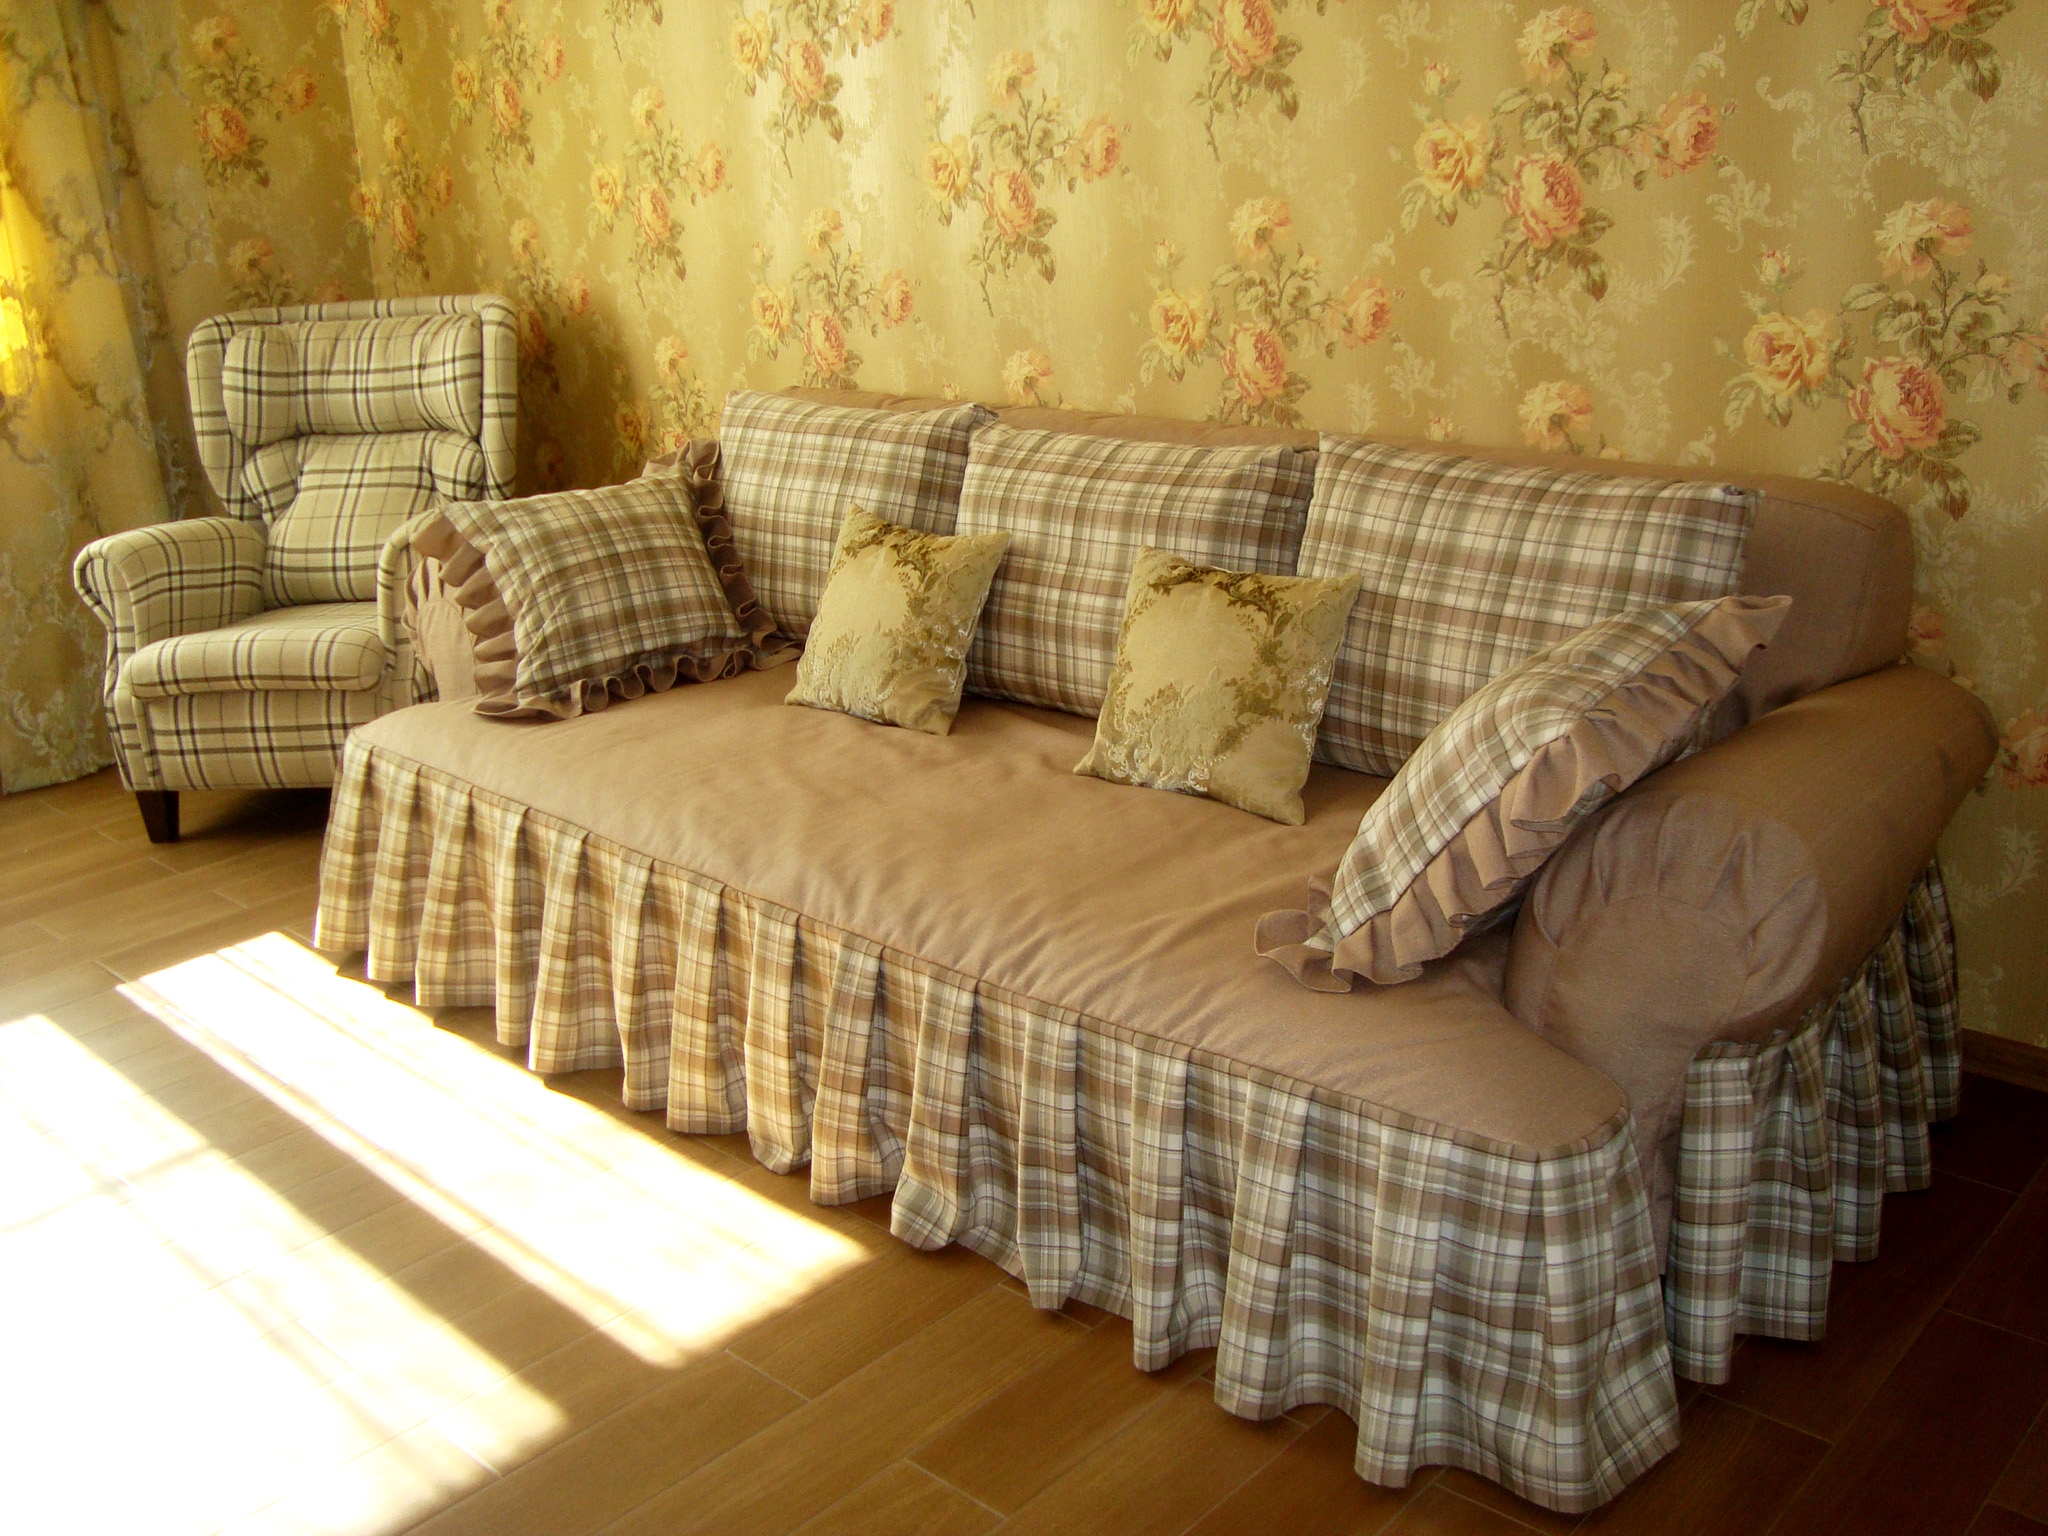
<point>282,1255</point>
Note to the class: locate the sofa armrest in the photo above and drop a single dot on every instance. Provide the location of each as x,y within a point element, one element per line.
<point>179,578</point>
<point>419,621</point>
<point>1725,895</point>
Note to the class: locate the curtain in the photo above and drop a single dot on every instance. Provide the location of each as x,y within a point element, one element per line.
<point>90,375</point>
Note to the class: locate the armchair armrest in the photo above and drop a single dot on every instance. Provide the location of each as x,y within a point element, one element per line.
<point>1725,895</point>
<point>179,578</point>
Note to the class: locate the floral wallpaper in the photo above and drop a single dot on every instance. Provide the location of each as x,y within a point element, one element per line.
<point>1805,235</point>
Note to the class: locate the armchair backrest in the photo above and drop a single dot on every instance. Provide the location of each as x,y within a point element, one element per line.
<point>334,423</point>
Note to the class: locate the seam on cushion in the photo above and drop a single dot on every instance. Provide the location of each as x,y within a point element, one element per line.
<point>1594,1140</point>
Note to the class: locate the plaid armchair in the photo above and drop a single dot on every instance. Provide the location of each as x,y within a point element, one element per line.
<point>241,649</point>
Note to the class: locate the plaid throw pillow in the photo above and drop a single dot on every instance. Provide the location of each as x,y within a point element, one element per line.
<point>1471,567</point>
<point>1078,510</point>
<point>1506,778</point>
<point>792,468</point>
<point>581,597</point>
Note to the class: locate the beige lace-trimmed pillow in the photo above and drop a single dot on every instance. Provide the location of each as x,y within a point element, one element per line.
<point>889,642</point>
<point>1219,683</point>
<point>579,597</point>
<point>1500,784</point>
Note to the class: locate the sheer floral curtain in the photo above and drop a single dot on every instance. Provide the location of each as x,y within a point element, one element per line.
<point>90,375</point>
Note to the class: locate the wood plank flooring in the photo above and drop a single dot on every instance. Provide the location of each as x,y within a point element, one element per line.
<point>283,1255</point>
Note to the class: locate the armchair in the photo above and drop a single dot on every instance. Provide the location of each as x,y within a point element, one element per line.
<point>241,649</point>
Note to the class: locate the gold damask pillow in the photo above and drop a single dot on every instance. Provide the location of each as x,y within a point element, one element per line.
<point>1219,683</point>
<point>890,639</point>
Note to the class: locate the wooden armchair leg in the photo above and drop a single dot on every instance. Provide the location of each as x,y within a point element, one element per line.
<point>159,813</point>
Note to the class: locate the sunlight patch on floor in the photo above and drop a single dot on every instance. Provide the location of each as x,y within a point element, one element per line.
<point>232,1340</point>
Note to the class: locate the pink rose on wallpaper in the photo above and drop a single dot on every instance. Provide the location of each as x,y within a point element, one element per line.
<point>1441,429</point>
<point>607,189</point>
<point>772,311</point>
<point>1917,20</point>
<point>877,20</point>
<point>1256,362</point>
<point>803,69</point>
<point>894,300</point>
<point>214,38</point>
<point>1902,405</point>
<point>442,187</point>
<point>1258,222</point>
<point>1010,73</point>
<point>1545,195</point>
<point>1180,322</point>
<point>249,259</point>
<point>825,342</point>
<point>1913,234</point>
<point>1788,355</point>
<point>753,42</point>
<point>1098,147</point>
<point>223,130</point>
<point>1246,33</point>
<point>1012,204</point>
<point>1165,18</point>
<point>1364,311</point>
<point>1554,412</point>
<point>1775,268</point>
<point>554,58</point>
<point>507,110</point>
<point>464,83</point>
<point>1027,377</point>
<point>651,214</point>
<point>1453,157</point>
<point>297,90</point>
<point>707,171</point>
<point>2023,759</point>
<point>405,227</point>
<point>1688,130</point>
<point>532,332</point>
<point>1551,37</point>
<point>1926,634</point>
<point>576,294</point>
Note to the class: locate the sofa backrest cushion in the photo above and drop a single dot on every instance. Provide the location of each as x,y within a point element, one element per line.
<point>1078,510</point>
<point>401,373</point>
<point>1471,568</point>
<point>1843,555</point>
<point>791,469</point>
<point>333,501</point>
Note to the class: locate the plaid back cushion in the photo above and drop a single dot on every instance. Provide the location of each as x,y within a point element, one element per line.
<point>404,373</point>
<point>608,593</point>
<point>1471,567</point>
<point>792,468</point>
<point>1078,509</point>
<point>333,501</point>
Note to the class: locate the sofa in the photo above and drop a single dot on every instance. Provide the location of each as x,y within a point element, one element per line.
<point>1492,1214</point>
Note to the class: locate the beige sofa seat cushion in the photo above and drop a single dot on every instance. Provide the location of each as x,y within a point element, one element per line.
<point>984,852</point>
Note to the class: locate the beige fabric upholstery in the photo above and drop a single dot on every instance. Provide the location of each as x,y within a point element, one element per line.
<point>331,646</point>
<point>1723,897</point>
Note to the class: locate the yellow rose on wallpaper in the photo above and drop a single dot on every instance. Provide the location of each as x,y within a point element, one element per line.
<point>507,110</point>
<point>607,189</point>
<point>1913,234</point>
<point>1903,405</point>
<point>576,294</point>
<point>1918,20</point>
<point>365,204</point>
<point>1687,131</point>
<point>652,215</point>
<point>248,260</point>
<point>1554,413</point>
<point>1180,322</point>
<point>894,300</point>
<point>707,174</point>
<point>753,42</point>
<point>1364,311</point>
<point>215,37</point>
<point>1790,357</point>
<point>532,332</point>
<point>772,308</point>
<point>1255,360</point>
<point>223,130</point>
<point>825,343</point>
<point>405,227</point>
<point>553,58</point>
<point>1258,222</point>
<point>1010,73</point>
<point>1453,157</point>
<point>804,72</point>
<point>1027,377</point>
<point>647,107</point>
<point>877,21</point>
<point>465,83</point>
<point>523,239</point>
<point>1012,205</point>
<point>671,360</point>
<point>1551,37</point>
<point>1098,147</point>
<point>1246,33</point>
<point>1545,195</point>
<point>948,169</point>
<point>824,230</point>
<point>1166,18</point>
<point>297,90</point>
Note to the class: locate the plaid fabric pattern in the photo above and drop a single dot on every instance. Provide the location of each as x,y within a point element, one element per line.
<point>1462,767</point>
<point>1467,1302</point>
<point>312,378</point>
<point>330,646</point>
<point>599,581</point>
<point>1471,567</point>
<point>254,740</point>
<point>341,498</point>
<point>1078,509</point>
<point>1789,1145</point>
<point>222,453</point>
<point>792,467</point>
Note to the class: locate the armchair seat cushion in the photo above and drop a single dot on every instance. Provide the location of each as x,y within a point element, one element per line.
<point>324,647</point>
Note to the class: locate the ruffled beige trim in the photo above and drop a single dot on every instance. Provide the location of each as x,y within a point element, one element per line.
<point>1644,722</point>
